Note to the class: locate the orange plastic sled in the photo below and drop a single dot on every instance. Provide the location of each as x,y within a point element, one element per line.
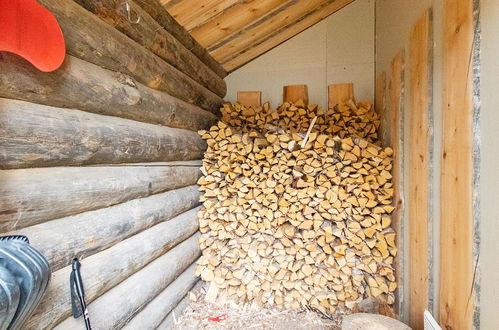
<point>31,31</point>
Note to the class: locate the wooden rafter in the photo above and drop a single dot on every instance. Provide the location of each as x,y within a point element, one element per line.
<point>233,20</point>
<point>283,34</point>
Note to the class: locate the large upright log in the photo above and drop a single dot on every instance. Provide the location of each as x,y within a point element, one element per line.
<point>161,15</point>
<point>152,36</point>
<point>89,38</point>
<point>78,84</point>
<point>106,269</point>
<point>32,196</point>
<point>153,314</point>
<point>90,232</point>
<point>35,135</point>
<point>115,308</point>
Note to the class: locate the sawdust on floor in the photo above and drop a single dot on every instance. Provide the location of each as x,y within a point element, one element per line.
<point>197,315</point>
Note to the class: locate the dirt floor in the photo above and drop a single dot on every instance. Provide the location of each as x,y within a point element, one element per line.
<point>204,315</point>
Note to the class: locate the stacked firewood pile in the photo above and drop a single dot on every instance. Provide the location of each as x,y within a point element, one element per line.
<point>296,211</point>
<point>343,120</point>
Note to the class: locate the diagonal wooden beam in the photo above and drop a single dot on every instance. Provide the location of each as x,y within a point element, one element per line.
<point>192,13</point>
<point>233,20</point>
<point>272,40</point>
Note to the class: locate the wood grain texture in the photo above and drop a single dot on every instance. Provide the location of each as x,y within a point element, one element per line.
<point>395,108</point>
<point>279,36</point>
<point>192,13</point>
<point>250,99</point>
<point>104,270</point>
<point>32,196</point>
<point>419,169</point>
<point>152,315</point>
<point>41,136</point>
<point>155,38</point>
<point>87,233</point>
<point>169,321</point>
<point>83,34</point>
<point>85,86</point>
<point>263,28</point>
<point>380,105</point>
<point>339,94</point>
<point>233,20</point>
<point>161,15</point>
<point>456,221</point>
<point>117,306</point>
<point>295,93</point>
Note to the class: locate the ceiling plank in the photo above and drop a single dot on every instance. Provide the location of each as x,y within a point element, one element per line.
<point>192,13</point>
<point>244,56</point>
<point>234,20</point>
<point>260,31</point>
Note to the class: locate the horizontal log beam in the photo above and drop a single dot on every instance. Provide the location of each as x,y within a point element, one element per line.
<point>169,321</point>
<point>36,135</point>
<point>78,84</point>
<point>89,38</point>
<point>104,270</point>
<point>117,306</point>
<point>152,36</point>
<point>32,196</point>
<point>151,316</point>
<point>161,15</point>
<point>88,233</point>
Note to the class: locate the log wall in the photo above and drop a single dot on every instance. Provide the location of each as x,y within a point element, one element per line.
<point>100,159</point>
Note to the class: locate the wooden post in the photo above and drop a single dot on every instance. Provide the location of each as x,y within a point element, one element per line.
<point>339,94</point>
<point>106,269</point>
<point>380,106</point>
<point>295,93</point>
<point>419,169</point>
<point>456,297</point>
<point>250,99</point>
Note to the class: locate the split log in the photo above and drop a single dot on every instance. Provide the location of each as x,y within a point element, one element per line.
<point>32,196</point>
<point>161,15</point>
<point>41,136</point>
<point>152,315</point>
<point>120,304</point>
<point>169,321</point>
<point>78,84</point>
<point>88,233</point>
<point>152,36</point>
<point>104,270</point>
<point>89,38</point>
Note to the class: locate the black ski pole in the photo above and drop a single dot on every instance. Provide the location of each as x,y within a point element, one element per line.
<point>78,294</point>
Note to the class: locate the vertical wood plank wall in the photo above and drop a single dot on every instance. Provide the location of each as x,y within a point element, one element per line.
<point>394,110</point>
<point>419,167</point>
<point>456,262</point>
<point>379,104</point>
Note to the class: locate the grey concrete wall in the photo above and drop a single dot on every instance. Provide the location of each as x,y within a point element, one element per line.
<point>339,49</point>
<point>489,166</point>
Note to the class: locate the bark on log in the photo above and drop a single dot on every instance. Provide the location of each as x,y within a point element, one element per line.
<point>104,270</point>
<point>169,321</point>
<point>89,38</point>
<point>85,86</point>
<point>41,136</point>
<point>151,316</point>
<point>32,196</point>
<point>88,233</point>
<point>115,308</point>
<point>161,15</point>
<point>152,36</point>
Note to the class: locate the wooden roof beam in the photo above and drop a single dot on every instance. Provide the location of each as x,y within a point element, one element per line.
<point>252,51</point>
